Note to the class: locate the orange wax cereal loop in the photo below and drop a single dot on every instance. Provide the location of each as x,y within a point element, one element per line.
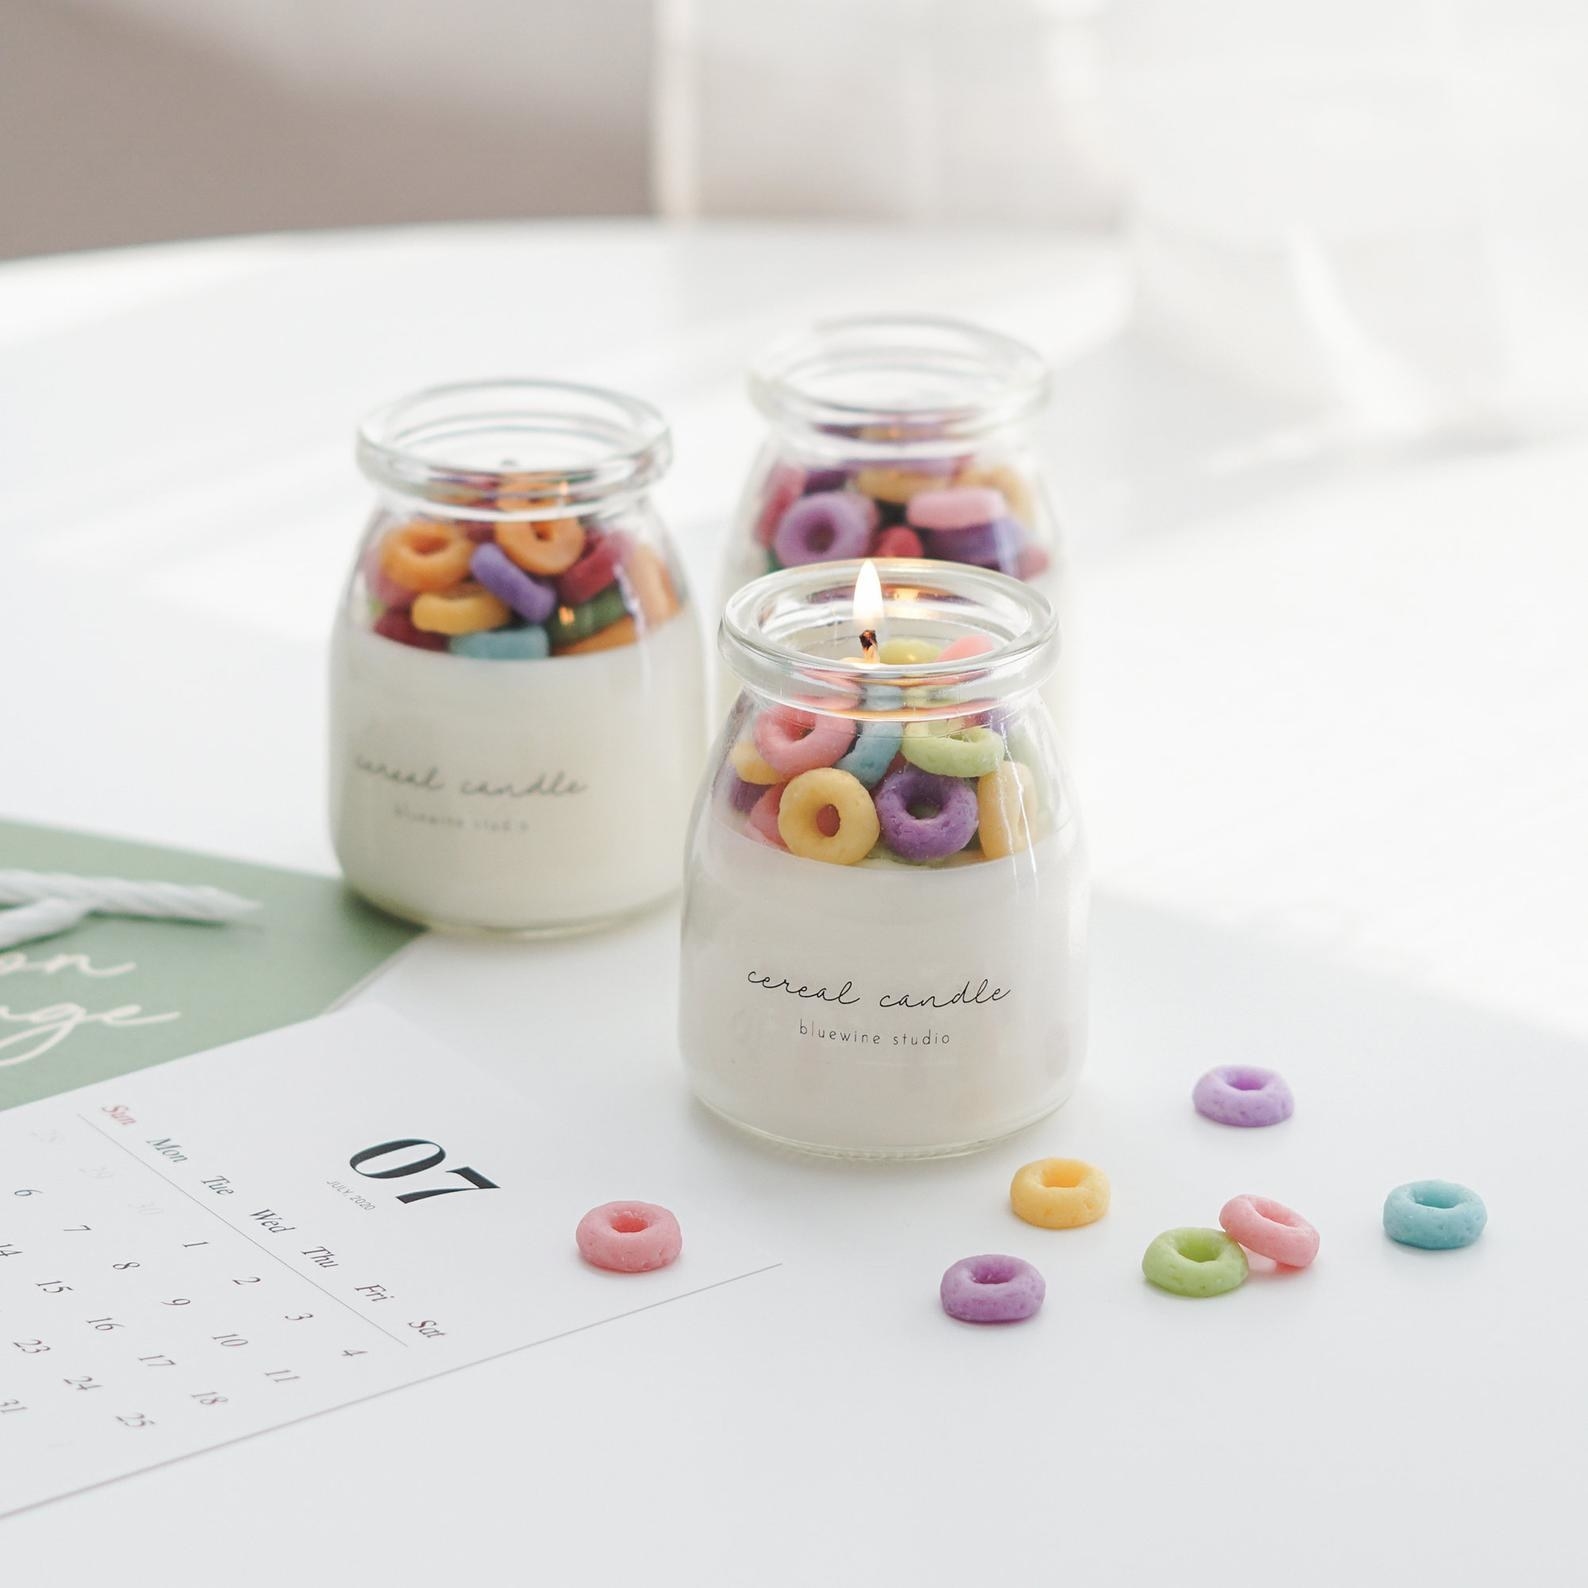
<point>1059,1193</point>
<point>804,825</point>
<point>542,545</point>
<point>426,554</point>
<point>1006,802</point>
<point>647,576</point>
<point>465,609</point>
<point>623,632</point>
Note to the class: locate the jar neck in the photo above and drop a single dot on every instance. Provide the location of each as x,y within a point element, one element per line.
<point>515,449</point>
<point>884,387</point>
<point>795,636</point>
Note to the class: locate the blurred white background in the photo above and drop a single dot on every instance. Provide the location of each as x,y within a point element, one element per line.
<point>1374,208</point>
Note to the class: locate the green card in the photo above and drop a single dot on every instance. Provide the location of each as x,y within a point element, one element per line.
<point>116,994</point>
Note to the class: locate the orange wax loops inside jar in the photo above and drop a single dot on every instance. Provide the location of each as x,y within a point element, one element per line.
<point>426,554</point>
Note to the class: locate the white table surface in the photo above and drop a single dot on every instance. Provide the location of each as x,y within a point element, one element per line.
<point>1334,759</point>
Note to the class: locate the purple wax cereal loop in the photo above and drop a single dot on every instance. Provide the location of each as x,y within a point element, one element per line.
<point>532,599</point>
<point>992,1288</point>
<point>945,832</point>
<point>828,527</point>
<point>1242,1094</point>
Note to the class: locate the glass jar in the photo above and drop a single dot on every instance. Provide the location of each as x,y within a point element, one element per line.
<point>516,676</point>
<point>885,892</point>
<point>899,436</point>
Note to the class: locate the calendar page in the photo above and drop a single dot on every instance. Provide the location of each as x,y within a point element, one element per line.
<point>236,1240</point>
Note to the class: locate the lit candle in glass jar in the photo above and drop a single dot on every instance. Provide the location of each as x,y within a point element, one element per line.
<point>885,895</point>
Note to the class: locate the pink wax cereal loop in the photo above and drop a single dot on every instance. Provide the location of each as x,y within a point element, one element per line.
<point>964,507</point>
<point>795,741</point>
<point>629,1237</point>
<point>965,647</point>
<point>762,820</point>
<point>899,541</point>
<point>1270,1229</point>
<point>783,489</point>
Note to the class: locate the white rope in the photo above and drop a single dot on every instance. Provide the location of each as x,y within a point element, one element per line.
<point>42,918</point>
<point>116,896</point>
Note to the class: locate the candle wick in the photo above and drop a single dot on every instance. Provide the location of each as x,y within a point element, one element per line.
<point>868,644</point>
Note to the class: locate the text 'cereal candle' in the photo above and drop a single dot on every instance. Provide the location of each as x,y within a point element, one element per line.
<point>516,697</point>
<point>885,892</point>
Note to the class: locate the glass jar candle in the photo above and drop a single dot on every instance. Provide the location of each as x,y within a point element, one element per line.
<point>899,436</point>
<point>516,679</point>
<point>885,892</point>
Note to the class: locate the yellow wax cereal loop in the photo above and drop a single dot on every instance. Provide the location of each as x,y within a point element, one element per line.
<point>895,485</point>
<point>747,762</point>
<point>807,796</point>
<point>1008,482</point>
<point>907,653</point>
<point>464,609</point>
<point>1006,802</point>
<point>1059,1193</point>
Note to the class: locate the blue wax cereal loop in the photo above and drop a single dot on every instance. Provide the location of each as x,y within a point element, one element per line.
<point>527,644</point>
<point>873,752</point>
<point>1437,1215</point>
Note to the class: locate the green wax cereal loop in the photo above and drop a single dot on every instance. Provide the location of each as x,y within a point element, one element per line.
<point>568,624</point>
<point>1195,1262</point>
<point>952,752</point>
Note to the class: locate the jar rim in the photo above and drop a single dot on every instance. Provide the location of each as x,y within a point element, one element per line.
<point>763,619</point>
<point>890,385</point>
<point>514,448</point>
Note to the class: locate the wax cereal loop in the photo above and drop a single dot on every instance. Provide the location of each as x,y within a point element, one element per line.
<point>1195,1262</point>
<point>895,485</point>
<point>527,644</point>
<point>952,752</point>
<point>1244,1095</point>
<point>624,632</point>
<point>924,816</point>
<point>1270,1229</point>
<point>746,761</point>
<point>958,507</point>
<point>827,527</point>
<point>426,554</point>
<point>1059,1193</point>
<point>532,599</point>
<point>875,747</point>
<point>464,609</point>
<point>1006,802</point>
<point>1003,479</point>
<point>652,585</point>
<point>1437,1215</point>
<point>803,803</point>
<point>762,821</point>
<point>991,1288</point>
<point>799,741</point>
<point>545,546</point>
<point>629,1237</point>
<point>907,653</point>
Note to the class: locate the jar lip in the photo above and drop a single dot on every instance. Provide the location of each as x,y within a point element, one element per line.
<point>514,448</point>
<point>889,385</point>
<point>762,617</point>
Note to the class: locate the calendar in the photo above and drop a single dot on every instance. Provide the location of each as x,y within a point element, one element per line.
<point>236,1240</point>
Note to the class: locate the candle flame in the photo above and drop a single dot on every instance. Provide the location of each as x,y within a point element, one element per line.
<point>868,598</point>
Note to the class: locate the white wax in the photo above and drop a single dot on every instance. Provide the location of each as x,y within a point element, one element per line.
<point>842,1072</point>
<point>514,795</point>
